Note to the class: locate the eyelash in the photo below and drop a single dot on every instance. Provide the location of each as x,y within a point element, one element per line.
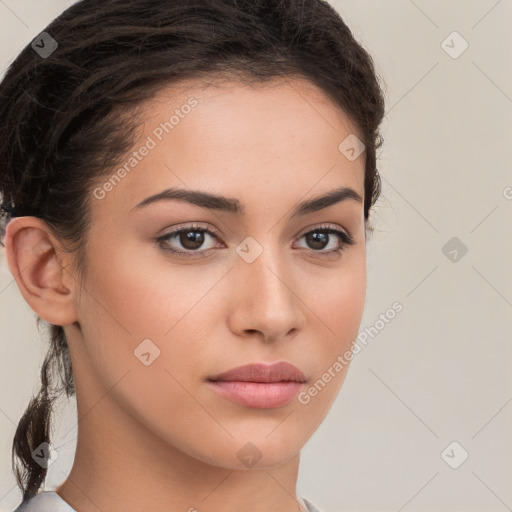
<point>345,238</point>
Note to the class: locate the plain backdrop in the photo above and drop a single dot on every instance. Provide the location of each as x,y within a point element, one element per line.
<point>433,386</point>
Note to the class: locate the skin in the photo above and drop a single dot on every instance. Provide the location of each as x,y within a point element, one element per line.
<point>157,437</point>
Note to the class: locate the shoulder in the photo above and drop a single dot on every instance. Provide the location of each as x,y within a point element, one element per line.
<point>45,501</point>
<point>310,506</point>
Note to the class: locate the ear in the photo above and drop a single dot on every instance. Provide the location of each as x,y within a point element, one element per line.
<point>41,269</point>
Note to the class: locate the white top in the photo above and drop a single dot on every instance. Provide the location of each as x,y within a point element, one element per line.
<point>50,501</point>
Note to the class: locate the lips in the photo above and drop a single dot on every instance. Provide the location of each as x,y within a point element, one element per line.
<point>277,372</point>
<point>259,386</point>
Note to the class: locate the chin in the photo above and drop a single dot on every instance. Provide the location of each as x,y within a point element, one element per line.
<point>258,452</point>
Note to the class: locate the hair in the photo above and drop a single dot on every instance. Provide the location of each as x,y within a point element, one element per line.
<point>61,130</point>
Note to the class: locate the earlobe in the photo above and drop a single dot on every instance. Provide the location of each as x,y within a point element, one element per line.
<point>37,264</point>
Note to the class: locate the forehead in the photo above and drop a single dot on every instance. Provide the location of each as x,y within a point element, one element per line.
<point>279,136</point>
<point>274,104</point>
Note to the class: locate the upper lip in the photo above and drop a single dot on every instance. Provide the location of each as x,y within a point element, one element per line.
<point>277,372</point>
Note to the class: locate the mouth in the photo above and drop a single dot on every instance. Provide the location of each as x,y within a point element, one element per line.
<point>259,386</point>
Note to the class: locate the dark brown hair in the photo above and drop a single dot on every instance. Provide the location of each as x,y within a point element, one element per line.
<point>59,132</point>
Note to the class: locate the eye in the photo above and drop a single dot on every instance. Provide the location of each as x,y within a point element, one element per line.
<point>321,237</point>
<point>190,238</point>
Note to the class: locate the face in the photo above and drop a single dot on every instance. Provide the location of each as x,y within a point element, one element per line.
<point>255,279</point>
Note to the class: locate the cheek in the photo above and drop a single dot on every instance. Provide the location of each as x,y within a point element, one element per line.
<point>337,304</point>
<point>128,302</point>
<point>338,298</point>
<point>140,294</point>
<point>344,303</point>
<point>136,295</point>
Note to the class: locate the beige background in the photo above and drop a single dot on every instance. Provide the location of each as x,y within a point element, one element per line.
<point>439,372</point>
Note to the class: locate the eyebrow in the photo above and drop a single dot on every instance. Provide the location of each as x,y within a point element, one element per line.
<point>232,205</point>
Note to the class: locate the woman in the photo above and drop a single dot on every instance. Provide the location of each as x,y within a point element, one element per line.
<point>187,191</point>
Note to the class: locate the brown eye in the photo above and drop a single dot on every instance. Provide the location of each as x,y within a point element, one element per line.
<point>320,238</point>
<point>189,240</point>
<point>317,240</point>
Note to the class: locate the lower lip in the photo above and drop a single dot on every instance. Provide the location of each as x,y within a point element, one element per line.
<point>260,395</point>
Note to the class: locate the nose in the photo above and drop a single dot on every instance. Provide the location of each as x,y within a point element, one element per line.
<point>265,298</point>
